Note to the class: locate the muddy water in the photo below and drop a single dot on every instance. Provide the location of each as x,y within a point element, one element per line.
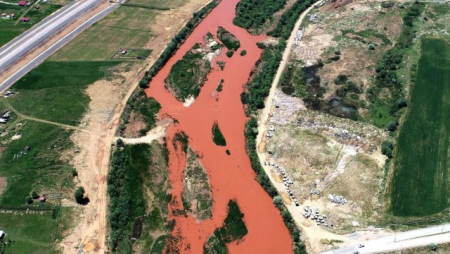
<point>231,176</point>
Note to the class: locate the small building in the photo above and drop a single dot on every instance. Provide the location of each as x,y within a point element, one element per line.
<point>23,3</point>
<point>123,51</point>
<point>3,14</point>
<point>42,198</point>
<point>27,148</point>
<point>2,234</point>
<point>25,19</point>
<point>12,15</point>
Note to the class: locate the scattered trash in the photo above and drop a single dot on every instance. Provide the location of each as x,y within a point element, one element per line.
<point>337,199</point>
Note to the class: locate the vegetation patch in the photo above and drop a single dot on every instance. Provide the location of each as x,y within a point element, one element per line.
<point>188,75</point>
<point>220,86</point>
<point>218,137</point>
<point>422,146</point>
<point>385,109</point>
<point>137,177</point>
<point>228,39</point>
<point>233,229</point>
<point>255,14</point>
<point>196,196</point>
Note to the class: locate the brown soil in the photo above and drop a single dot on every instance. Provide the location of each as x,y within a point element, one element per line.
<point>3,184</point>
<point>135,125</point>
<point>108,99</point>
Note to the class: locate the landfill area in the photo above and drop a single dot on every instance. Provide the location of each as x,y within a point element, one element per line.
<point>324,163</point>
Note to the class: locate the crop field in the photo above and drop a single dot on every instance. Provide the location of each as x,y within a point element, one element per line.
<point>420,182</point>
<point>54,91</point>
<point>126,27</point>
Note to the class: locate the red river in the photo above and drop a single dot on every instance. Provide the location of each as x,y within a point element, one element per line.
<point>231,176</point>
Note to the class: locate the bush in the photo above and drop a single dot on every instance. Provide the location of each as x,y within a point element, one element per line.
<point>74,172</point>
<point>29,200</point>
<point>392,126</point>
<point>243,52</point>
<point>34,195</point>
<point>79,195</point>
<point>386,148</point>
<point>230,53</point>
<point>218,137</point>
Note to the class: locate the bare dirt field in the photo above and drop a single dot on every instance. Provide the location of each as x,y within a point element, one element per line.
<point>108,98</point>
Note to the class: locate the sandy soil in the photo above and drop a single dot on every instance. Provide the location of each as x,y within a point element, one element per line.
<point>108,99</point>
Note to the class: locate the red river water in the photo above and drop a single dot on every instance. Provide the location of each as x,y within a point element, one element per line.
<point>231,176</point>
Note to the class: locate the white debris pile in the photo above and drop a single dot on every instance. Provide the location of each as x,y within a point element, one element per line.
<point>315,215</point>
<point>337,199</point>
<point>285,109</point>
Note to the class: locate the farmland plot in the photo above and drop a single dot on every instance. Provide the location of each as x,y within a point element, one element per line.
<point>420,183</point>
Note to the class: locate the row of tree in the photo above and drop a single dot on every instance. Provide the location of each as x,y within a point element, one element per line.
<point>289,18</point>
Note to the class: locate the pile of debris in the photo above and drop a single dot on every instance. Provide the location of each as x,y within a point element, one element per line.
<point>5,116</point>
<point>337,199</point>
<point>314,215</point>
<point>271,131</point>
<point>286,108</point>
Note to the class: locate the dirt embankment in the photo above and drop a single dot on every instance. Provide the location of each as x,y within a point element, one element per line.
<point>100,124</point>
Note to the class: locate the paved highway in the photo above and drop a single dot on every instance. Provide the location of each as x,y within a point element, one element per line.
<point>26,42</point>
<point>403,240</point>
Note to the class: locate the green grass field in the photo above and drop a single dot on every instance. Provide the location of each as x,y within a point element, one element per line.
<point>126,27</point>
<point>41,168</point>
<point>421,178</point>
<point>54,91</point>
<point>34,233</point>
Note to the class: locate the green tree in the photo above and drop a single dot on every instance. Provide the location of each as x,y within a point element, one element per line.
<point>79,195</point>
<point>34,195</point>
<point>29,200</point>
<point>386,148</point>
